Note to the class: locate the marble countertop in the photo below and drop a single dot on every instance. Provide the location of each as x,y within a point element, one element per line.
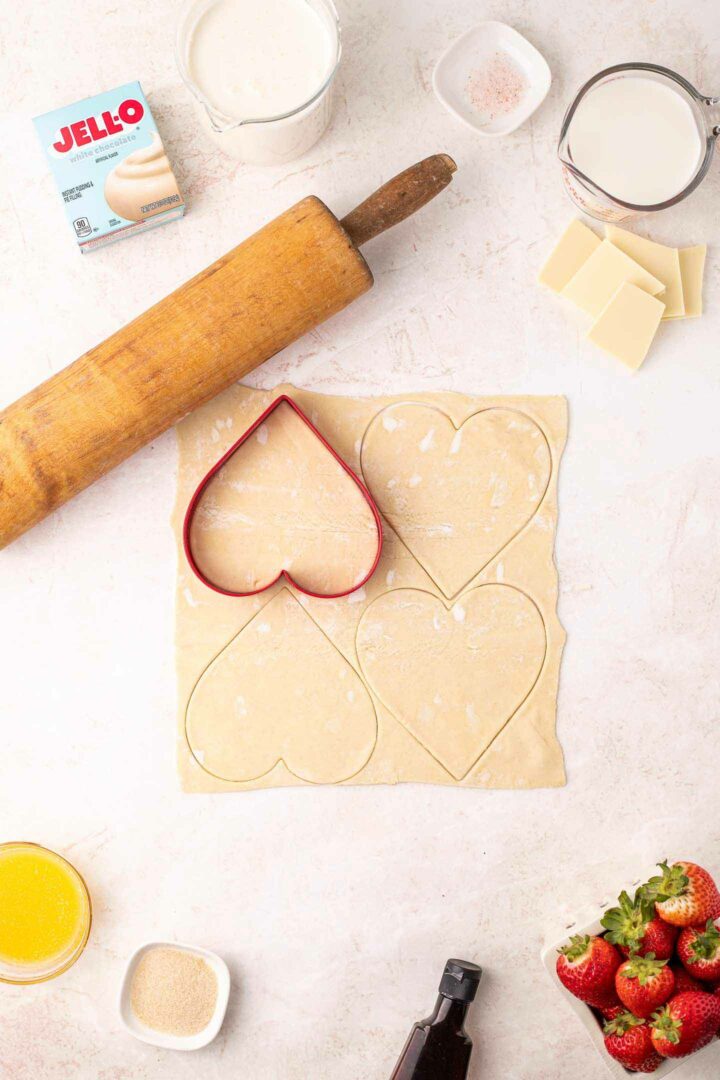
<point>337,908</point>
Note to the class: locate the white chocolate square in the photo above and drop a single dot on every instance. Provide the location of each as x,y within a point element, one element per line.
<point>602,274</point>
<point>660,261</point>
<point>574,247</point>
<point>627,325</point>
<point>692,268</point>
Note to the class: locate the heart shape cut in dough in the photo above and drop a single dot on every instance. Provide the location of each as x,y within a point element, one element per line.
<point>281,692</point>
<point>453,678</point>
<point>281,503</point>
<point>455,496</point>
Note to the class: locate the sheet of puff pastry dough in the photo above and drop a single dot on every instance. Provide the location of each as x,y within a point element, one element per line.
<point>444,667</point>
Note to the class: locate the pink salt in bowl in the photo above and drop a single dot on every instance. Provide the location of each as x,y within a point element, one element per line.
<point>492,79</point>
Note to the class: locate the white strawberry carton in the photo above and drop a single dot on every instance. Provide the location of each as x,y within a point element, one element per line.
<point>590,923</point>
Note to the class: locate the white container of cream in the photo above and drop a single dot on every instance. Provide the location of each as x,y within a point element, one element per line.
<point>261,74</point>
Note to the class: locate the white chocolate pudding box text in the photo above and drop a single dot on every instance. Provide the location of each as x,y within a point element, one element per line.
<point>110,166</point>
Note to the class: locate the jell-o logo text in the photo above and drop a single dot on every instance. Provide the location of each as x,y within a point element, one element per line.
<point>93,128</point>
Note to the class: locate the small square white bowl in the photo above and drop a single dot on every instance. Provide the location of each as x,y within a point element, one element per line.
<point>586,1015</point>
<point>457,63</point>
<point>161,1038</point>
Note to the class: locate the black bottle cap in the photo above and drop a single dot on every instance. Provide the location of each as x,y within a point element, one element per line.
<point>460,980</point>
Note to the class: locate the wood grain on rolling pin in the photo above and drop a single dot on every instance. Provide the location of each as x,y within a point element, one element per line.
<point>290,276</point>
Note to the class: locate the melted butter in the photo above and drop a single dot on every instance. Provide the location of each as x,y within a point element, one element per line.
<point>44,910</point>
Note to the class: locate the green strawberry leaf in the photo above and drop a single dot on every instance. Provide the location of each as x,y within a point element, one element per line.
<point>666,1026</point>
<point>622,1024</point>
<point>706,944</point>
<point>627,924</point>
<point>671,883</point>
<point>579,945</point>
<point>643,968</point>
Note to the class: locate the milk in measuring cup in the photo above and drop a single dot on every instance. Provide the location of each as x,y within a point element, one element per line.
<point>637,139</point>
<point>262,72</point>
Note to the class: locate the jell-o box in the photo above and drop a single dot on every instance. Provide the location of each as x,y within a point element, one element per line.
<point>110,166</point>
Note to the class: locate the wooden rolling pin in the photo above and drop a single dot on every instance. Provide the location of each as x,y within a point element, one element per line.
<point>264,294</point>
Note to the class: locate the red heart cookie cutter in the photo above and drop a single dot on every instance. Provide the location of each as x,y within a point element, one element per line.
<point>199,491</point>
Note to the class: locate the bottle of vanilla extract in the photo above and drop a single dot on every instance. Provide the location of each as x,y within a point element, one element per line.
<point>439,1048</point>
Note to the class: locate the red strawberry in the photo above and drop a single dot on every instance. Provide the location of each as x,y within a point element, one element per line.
<point>684,894</point>
<point>635,928</point>
<point>628,1040</point>
<point>699,951</point>
<point>613,1012</point>
<point>644,984</point>
<point>687,1023</point>
<point>684,982</point>
<point>586,967</point>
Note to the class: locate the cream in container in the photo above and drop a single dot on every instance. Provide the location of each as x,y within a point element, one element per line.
<point>261,74</point>
<point>110,166</point>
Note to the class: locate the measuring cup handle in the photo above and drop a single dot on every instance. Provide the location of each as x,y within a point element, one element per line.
<point>712,104</point>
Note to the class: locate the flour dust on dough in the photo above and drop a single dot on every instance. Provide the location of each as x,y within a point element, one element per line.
<point>455,495</point>
<point>280,692</point>
<point>453,677</point>
<point>283,503</point>
<point>443,667</point>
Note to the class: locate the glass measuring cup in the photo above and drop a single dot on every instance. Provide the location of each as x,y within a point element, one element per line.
<point>264,140</point>
<point>598,203</point>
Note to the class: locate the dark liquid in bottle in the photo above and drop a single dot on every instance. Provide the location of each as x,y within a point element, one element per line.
<point>439,1048</point>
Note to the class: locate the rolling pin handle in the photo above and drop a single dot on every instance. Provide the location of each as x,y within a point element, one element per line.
<point>399,198</point>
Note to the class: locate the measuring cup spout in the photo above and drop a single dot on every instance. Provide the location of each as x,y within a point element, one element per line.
<point>219,123</point>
